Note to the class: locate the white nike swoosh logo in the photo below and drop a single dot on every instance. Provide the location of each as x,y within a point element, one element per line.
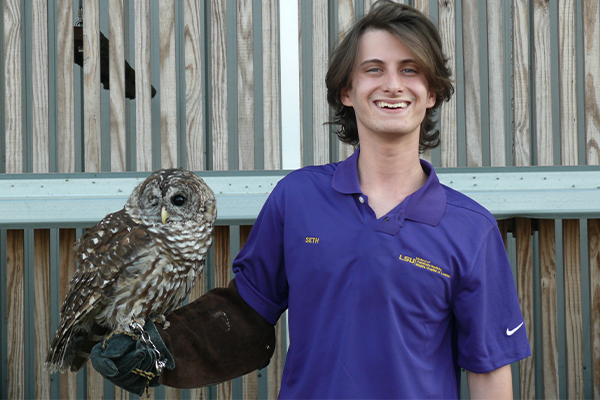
<point>510,333</point>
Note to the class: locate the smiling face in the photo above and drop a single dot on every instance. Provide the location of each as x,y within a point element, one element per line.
<point>388,91</point>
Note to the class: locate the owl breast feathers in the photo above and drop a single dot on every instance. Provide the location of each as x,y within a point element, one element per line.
<point>139,262</point>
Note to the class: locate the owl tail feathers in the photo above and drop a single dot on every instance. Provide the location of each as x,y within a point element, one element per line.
<point>71,350</point>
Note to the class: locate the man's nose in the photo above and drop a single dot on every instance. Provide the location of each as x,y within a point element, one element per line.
<point>394,82</point>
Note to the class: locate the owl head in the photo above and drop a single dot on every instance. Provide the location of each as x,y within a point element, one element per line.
<point>172,196</point>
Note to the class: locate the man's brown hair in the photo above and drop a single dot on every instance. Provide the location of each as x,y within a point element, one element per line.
<point>417,32</point>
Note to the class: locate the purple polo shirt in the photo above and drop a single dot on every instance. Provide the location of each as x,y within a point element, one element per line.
<point>380,308</point>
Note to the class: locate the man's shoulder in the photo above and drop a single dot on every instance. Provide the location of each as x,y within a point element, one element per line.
<point>312,173</point>
<point>460,203</point>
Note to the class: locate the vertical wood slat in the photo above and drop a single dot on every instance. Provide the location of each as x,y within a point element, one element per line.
<point>193,86</point>
<point>41,263</point>
<point>168,103</point>
<point>92,128</point>
<point>525,293</point>
<point>250,381</point>
<point>320,109</point>
<point>472,82</point>
<point>346,15</point>
<point>594,254</point>
<point>275,369</point>
<point>64,86</point>
<point>222,277</point>
<point>15,313</point>
<point>13,80</point>
<point>271,95</point>
<point>591,22</point>
<point>521,83</point>
<point>39,78</point>
<point>218,54</point>
<point>143,93</point>
<point>118,150</point>
<point>68,381</point>
<point>496,83</point>
<point>543,84</point>
<point>549,315</point>
<point>447,29</point>
<point>41,249</point>
<point>91,86</point>
<point>568,79</point>
<point>245,84</point>
<point>168,84</point>
<point>573,322</point>
<point>14,164</point>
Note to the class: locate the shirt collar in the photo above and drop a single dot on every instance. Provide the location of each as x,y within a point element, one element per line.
<point>426,205</point>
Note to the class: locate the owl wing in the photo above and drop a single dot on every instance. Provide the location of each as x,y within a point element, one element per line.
<point>103,253</point>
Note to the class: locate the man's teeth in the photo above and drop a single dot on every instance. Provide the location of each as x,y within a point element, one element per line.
<point>383,104</point>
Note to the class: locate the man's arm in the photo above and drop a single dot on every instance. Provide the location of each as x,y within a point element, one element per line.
<point>492,385</point>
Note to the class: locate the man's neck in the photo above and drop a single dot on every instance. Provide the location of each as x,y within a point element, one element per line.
<point>388,174</point>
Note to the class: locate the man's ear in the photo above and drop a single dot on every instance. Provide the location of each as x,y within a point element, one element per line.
<point>431,99</point>
<point>345,97</point>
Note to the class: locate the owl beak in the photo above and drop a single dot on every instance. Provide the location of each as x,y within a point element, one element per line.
<point>165,215</point>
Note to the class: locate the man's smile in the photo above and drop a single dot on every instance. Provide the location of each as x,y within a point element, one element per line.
<point>384,104</point>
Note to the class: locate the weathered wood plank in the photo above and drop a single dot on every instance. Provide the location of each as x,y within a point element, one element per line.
<point>222,278</point>
<point>143,89</point>
<point>271,96</point>
<point>218,54</point>
<point>13,81</point>
<point>591,20</point>
<point>549,319</point>
<point>496,83</point>
<point>66,261</point>
<point>320,58</point>
<point>543,84</point>
<point>568,82</point>
<point>39,78</point>
<point>521,83</point>
<point>245,84</point>
<point>41,266</point>
<point>422,5</point>
<point>15,340</point>
<point>65,106</point>
<point>116,27</point>
<point>594,250</point>
<point>573,322</point>
<point>472,83</point>
<point>193,86</point>
<point>447,29</point>
<point>275,368</point>
<point>525,293</point>
<point>168,84</point>
<point>250,381</point>
<point>92,126</point>
<point>346,15</point>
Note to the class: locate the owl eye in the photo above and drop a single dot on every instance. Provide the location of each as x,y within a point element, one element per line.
<point>178,200</point>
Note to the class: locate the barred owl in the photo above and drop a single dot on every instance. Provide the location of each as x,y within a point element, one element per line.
<point>139,262</point>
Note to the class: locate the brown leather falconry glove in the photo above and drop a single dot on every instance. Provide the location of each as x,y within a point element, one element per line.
<point>216,338</point>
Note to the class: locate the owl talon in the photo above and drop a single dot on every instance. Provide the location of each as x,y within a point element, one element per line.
<point>160,320</point>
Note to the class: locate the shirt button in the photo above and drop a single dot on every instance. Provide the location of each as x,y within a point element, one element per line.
<point>361,200</point>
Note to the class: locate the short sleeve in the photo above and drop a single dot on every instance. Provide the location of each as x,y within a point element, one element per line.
<point>490,327</point>
<point>259,267</point>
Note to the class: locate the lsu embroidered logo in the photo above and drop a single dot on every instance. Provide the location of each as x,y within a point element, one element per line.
<point>312,240</point>
<point>424,264</point>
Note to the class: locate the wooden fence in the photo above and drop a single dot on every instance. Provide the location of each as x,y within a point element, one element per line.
<point>527,93</point>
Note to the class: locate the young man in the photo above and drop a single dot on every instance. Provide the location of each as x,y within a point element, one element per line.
<point>392,281</point>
